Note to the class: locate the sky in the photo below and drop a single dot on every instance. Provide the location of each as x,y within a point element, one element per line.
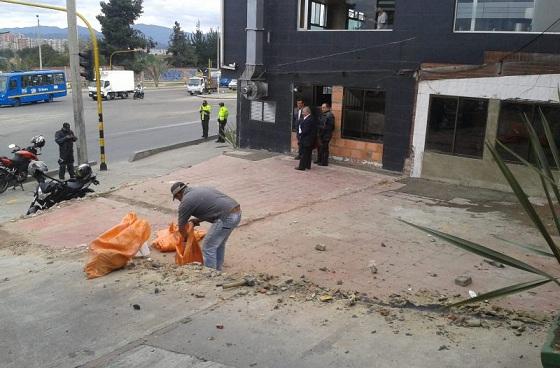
<point>157,12</point>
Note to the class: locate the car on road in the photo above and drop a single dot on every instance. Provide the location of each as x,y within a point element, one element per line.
<point>233,84</point>
<point>224,82</point>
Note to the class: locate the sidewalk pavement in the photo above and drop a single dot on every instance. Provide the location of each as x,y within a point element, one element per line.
<point>155,314</point>
<point>353,213</point>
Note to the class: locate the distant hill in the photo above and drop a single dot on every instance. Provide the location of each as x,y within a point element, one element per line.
<point>159,34</point>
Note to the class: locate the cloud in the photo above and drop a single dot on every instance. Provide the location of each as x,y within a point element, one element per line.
<point>158,12</point>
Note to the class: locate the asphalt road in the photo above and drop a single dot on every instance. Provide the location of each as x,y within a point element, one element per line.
<point>163,117</point>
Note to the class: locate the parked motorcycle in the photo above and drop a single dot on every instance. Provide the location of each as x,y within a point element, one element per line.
<point>13,171</point>
<point>138,93</point>
<point>51,191</point>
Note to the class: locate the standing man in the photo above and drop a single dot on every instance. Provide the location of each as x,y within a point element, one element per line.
<point>296,120</point>
<point>205,117</point>
<point>208,204</point>
<point>65,139</point>
<point>382,19</point>
<point>326,127</point>
<point>308,136</point>
<point>223,114</point>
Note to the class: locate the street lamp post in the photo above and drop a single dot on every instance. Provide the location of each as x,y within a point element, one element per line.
<point>39,44</point>
<point>120,52</point>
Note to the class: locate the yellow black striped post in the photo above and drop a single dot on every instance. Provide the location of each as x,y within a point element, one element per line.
<point>103,164</point>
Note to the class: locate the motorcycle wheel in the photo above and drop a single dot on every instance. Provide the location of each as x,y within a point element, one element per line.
<point>142,96</point>
<point>3,182</point>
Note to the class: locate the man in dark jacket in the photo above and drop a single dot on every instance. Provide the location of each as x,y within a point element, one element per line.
<point>65,139</point>
<point>296,121</point>
<point>307,136</point>
<point>326,127</point>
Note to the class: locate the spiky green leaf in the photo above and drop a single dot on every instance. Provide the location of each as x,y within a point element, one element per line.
<point>513,289</point>
<point>528,247</point>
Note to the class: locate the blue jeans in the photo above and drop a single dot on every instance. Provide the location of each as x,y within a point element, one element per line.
<point>214,248</point>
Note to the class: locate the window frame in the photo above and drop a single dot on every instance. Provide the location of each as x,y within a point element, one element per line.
<point>454,140</point>
<point>306,23</point>
<point>362,139</point>
<point>492,32</point>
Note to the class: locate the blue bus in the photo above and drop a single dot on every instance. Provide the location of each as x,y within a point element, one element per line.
<point>17,88</point>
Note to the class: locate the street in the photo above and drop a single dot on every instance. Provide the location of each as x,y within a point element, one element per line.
<point>163,117</point>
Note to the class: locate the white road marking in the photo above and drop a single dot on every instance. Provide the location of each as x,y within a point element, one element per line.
<point>153,128</point>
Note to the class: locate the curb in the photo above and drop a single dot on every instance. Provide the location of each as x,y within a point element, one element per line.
<point>215,97</point>
<point>138,155</point>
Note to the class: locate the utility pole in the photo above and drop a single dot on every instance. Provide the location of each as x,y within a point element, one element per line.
<point>77,100</point>
<point>39,44</point>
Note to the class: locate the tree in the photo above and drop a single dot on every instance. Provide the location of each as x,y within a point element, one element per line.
<point>155,66</point>
<point>205,45</point>
<point>29,57</point>
<point>116,21</point>
<point>180,52</point>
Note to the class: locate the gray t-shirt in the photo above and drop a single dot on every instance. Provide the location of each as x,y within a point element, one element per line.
<point>204,203</point>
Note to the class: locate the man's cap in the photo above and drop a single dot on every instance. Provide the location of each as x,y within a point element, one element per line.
<point>66,125</point>
<point>177,188</point>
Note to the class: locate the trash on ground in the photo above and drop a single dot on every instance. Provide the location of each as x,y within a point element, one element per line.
<point>472,294</point>
<point>463,280</point>
<point>372,266</point>
<point>247,281</point>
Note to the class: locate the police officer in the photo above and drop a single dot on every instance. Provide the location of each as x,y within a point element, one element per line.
<point>223,114</point>
<point>65,139</point>
<point>205,117</point>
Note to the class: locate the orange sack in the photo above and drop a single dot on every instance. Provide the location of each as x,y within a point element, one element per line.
<point>114,248</point>
<point>190,252</point>
<point>167,239</point>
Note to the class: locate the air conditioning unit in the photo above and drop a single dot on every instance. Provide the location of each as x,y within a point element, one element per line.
<point>254,90</point>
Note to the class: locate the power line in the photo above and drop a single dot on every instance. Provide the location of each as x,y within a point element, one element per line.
<point>530,42</point>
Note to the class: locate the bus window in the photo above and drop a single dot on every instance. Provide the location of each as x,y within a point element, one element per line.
<point>59,78</point>
<point>49,79</point>
<point>3,83</point>
<point>13,84</point>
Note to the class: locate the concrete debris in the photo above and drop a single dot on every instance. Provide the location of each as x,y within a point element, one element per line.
<point>463,280</point>
<point>473,322</point>
<point>443,347</point>
<point>397,301</point>
<point>321,247</point>
<point>220,327</point>
<point>326,298</point>
<point>372,266</point>
<point>136,306</point>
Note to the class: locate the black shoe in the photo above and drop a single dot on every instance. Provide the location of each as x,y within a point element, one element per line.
<point>297,158</point>
<point>322,164</point>
<point>316,162</point>
<point>299,168</point>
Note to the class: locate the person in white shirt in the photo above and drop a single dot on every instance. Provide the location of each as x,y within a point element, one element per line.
<point>382,19</point>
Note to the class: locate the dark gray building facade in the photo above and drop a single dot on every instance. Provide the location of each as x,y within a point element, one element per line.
<point>364,57</point>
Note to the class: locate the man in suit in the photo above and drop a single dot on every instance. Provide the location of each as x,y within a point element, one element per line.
<point>297,118</point>
<point>307,136</point>
<point>326,127</point>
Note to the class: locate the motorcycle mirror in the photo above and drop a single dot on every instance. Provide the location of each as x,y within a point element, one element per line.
<point>12,146</point>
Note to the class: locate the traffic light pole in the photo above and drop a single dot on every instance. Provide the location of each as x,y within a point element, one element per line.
<point>103,164</point>
<point>77,99</point>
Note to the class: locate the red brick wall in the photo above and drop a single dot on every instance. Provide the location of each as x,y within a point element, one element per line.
<point>348,149</point>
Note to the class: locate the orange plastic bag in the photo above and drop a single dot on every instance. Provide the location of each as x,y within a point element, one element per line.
<point>114,248</point>
<point>190,252</point>
<point>167,239</point>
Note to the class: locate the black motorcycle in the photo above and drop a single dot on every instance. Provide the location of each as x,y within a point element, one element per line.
<point>51,191</point>
<point>138,94</point>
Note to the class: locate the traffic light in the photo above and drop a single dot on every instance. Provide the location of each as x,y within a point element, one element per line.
<point>86,62</point>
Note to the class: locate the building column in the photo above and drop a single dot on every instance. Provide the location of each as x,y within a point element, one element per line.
<point>491,127</point>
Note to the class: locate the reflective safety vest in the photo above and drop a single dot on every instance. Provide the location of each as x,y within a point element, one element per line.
<point>205,111</point>
<point>223,113</point>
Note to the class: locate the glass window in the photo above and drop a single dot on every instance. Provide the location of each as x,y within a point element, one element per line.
<point>507,15</point>
<point>3,83</point>
<point>263,111</point>
<point>13,83</point>
<point>513,133</point>
<point>346,14</point>
<point>363,114</point>
<point>457,126</point>
<point>59,78</point>
<point>48,79</point>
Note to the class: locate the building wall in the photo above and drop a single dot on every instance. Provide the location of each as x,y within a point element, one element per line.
<point>423,32</point>
<point>469,171</point>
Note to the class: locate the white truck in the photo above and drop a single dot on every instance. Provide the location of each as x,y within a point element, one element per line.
<point>114,83</point>
<point>200,85</point>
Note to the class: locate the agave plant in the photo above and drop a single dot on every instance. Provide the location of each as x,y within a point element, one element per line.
<point>230,136</point>
<point>551,189</point>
